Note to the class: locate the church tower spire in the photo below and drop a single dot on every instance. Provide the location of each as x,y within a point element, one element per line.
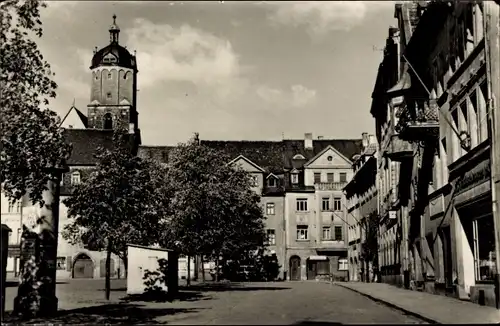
<point>114,31</point>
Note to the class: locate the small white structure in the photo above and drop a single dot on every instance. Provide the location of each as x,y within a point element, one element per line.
<point>140,259</point>
<point>183,268</point>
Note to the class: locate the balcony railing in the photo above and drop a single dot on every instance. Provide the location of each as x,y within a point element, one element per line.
<point>420,124</point>
<point>399,149</point>
<point>330,185</point>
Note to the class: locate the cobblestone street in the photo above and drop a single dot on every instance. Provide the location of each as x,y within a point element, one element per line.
<point>286,303</point>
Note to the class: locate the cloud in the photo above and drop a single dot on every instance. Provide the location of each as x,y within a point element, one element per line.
<point>297,96</point>
<point>320,17</point>
<point>183,54</point>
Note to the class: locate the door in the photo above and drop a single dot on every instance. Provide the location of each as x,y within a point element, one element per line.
<point>295,268</point>
<point>311,270</point>
<point>83,267</point>
<point>448,265</point>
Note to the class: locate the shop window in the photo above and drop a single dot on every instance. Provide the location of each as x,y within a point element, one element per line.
<point>484,255</point>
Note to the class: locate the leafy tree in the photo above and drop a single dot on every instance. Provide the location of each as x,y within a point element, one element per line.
<point>211,207</point>
<point>118,204</point>
<point>31,140</point>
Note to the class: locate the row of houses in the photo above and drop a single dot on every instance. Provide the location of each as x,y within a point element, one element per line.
<point>430,185</point>
<point>301,181</point>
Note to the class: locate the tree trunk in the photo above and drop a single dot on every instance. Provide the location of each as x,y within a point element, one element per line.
<point>217,269</point>
<point>202,268</point>
<point>188,278</point>
<point>108,270</point>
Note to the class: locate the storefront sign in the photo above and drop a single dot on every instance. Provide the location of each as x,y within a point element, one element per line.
<point>475,176</point>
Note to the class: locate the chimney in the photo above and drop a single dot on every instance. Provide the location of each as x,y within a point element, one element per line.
<point>372,139</point>
<point>308,140</point>
<point>365,139</point>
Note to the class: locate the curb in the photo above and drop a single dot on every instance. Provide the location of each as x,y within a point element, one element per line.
<point>386,303</point>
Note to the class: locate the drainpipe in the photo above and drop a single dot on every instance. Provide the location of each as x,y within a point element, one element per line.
<point>492,36</point>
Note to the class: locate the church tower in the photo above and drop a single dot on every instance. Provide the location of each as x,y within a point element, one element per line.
<point>114,87</point>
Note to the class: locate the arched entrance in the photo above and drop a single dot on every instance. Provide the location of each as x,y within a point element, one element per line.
<point>102,267</point>
<point>295,268</point>
<point>108,121</point>
<point>83,267</point>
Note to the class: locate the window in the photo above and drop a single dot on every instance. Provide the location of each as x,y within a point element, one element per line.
<point>11,207</point>
<point>299,157</point>
<point>271,182</point>
<point>329,158</point>
<point>61,263</point>
<point>484,256</point>
<point>301,205</point>
<point>75,178</point>
<point>253,181</point>
<point>326,233</point>
<point>343,264</point>
<point>325,204</point>
<point>109,77</point>
<point>302,232</point>
<point>271,237</point>
<point>329,177</point>
<point>338,233</point>
<point>18,207</point>
<point>295,178</point>
<point>19,235</point>
<point>337,204</point>
<point>343,177</point>
<point>317,178</point>
<point>270,208</point>
<point>108,95</point>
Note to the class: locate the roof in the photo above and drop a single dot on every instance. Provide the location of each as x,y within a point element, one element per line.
<point>82,116</point>
<point>271,156</point>
<point>123,57</point>
<point>266,154</point>
<point>85,143</point>
<point>156,153</point>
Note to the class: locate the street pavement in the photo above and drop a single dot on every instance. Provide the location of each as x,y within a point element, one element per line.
<point>430,307</point>
<point>284,303</point>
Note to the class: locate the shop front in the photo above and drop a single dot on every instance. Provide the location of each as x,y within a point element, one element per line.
<point>474,229</point>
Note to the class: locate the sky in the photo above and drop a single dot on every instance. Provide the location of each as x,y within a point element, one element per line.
<point>243,70</point>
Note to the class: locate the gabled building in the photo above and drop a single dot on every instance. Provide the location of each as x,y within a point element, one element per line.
<point>300,182</point>
<point>362,205</point>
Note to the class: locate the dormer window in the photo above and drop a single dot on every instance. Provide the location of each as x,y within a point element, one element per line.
<point>271,182</point>
<point>294,178</point>
<point>75,178</point>
<point>299,157</point>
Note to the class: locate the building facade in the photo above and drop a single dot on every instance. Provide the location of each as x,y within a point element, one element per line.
<point>362,210</point>
<point>435,136</point>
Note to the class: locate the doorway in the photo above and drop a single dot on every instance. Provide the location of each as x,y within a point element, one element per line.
<point>295,268</point>
<point>445,235</point>
<point>83,267</point>
<point>312,268</point>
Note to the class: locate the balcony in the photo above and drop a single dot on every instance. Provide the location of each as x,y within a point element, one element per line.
<point>419,124</point>
<point>325,186</point>
<point>399,149</point>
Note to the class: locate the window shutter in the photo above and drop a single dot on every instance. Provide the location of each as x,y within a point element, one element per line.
<point>68,263</point>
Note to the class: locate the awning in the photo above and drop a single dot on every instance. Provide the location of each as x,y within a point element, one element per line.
<point>402,85</point>
<point>318,258</point>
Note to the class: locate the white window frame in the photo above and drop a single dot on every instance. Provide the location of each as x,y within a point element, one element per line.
<point>75,178</point>
<point>302,233</point>
<point>319,179</point>
<point>335,201</point>
<point>294,178</point>
<point>326,233</point>
<point>271,237</point>
<point>325,200</point>
<point>270,209</point>
<point>343,264</point>
<point>340,176</point>
<point>301,205</point>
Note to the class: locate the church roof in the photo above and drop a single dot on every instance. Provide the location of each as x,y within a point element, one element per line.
<point>114,54</point>
<point>80,114</point>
